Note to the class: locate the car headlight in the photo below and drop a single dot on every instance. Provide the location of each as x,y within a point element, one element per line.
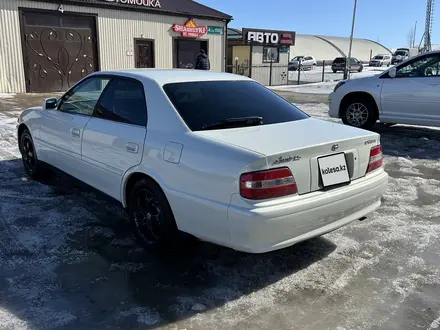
<point>339,84</point>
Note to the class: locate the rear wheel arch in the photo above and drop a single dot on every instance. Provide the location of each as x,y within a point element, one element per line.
<point>131,181</point>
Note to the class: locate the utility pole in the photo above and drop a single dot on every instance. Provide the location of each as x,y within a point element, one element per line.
<point>414,36</point>
<point>348,61</point>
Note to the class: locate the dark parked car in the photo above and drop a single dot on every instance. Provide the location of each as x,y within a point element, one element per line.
<point>339,65</point>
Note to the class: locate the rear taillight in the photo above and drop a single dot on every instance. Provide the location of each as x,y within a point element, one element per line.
<point>376,159</point>
<point>267,184</point>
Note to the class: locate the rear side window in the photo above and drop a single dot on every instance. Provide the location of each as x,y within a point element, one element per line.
<point>123,101</point>
<point>201,104</point>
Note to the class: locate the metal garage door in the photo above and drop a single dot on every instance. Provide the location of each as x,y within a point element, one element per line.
<point>58,49</point>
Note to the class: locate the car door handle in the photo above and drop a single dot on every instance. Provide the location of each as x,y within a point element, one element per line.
<point>132,147</point>
<point>75,132</point>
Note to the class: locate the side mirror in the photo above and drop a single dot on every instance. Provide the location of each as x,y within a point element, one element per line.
<point>50,103</point>
<point>392,73</point>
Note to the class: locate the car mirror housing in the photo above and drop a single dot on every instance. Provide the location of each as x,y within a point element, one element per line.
<point>50,103</point>
<point>392,73</point>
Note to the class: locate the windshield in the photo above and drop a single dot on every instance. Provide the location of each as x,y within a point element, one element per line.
<point>378,57</point>
<point>297,58</point>
<point>206,103</point>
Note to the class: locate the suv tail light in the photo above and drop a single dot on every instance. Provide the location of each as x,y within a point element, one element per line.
<point>376,159</point>
<point>268,184</point>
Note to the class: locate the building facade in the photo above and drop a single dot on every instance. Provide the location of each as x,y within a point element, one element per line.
<point>48,45</point>
<point>262,55</point>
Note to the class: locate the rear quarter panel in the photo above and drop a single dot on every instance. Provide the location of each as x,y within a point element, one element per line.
<point>199,185</point>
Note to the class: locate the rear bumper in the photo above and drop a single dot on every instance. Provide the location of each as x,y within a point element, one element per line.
<point>274,225</point>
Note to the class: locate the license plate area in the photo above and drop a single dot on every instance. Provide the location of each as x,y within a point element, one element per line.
<point>333,170</point>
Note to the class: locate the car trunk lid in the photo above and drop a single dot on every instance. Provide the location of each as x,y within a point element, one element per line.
<point>301,146</point>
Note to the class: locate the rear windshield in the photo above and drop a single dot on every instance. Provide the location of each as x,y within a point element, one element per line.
<point>205,103</point>
<point>378,57</point>
<point>339,60</point>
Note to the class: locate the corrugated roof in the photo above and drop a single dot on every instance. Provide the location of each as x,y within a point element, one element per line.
<point>182,7</point>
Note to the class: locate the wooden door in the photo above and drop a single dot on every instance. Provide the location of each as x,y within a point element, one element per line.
<point>144,53</point>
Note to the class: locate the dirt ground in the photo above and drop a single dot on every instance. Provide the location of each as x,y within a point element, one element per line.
<point>68,260</point>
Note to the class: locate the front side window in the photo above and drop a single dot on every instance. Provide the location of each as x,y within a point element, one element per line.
<point>422,67</point>
<point>271,54</point>
<point>203,105</point>
<point>123,101</point>
<point>82,98</point>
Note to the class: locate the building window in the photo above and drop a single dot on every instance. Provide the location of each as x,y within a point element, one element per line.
<point>271,54</point>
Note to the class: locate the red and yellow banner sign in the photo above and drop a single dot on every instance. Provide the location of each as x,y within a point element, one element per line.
<point>190,29</point>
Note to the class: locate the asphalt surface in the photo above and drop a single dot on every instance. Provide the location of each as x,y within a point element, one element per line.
<point>68,261</point>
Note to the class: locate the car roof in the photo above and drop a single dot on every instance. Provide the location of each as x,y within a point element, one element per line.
<point>167,76</point>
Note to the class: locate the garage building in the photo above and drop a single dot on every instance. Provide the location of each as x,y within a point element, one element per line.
<point>49,45</point>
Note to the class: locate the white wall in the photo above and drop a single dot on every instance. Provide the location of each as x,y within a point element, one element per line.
<point>117,30</point>
<point>311,45</point>
<point>360,49</point>
<point>327,48</point>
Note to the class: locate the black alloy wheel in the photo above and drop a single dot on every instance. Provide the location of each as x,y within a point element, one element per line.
<point>147,216</point>
<point>152,219</point>
<point>28,154</point>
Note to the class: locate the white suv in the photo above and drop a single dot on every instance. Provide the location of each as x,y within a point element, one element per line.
<point>408,93</point>
<point>380,60</point>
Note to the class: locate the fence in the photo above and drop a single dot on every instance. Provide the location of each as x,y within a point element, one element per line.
<point>274,74</point>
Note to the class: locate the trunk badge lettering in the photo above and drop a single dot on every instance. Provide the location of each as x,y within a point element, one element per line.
<point>370,142</point>
<point>335,147</point>
<point>282,160</point>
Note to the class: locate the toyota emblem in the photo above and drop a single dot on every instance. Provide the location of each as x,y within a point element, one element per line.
<point>335,147</point>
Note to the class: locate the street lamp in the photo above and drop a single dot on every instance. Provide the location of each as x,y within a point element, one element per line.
<point>348,61</point>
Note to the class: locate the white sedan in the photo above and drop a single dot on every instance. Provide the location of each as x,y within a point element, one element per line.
<point>214,155</point>
<point>408,93</point>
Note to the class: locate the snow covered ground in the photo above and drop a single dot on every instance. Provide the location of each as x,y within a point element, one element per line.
<point>67,260</point>
<point>326,87</point>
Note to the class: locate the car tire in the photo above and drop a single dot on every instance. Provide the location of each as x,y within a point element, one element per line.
<point>152,219</point>
<point>32,165</point>
<point>359,112</point>
<point>360,69</point>
<point>334,71</point>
